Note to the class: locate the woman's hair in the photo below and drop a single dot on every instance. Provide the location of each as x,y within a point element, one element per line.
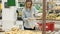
<point>28,1</point>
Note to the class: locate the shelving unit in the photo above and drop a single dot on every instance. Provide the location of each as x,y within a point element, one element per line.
<point>0,15</point>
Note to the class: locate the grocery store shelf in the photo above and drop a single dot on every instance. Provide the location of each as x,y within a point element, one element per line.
<point>56,8</point>
<point>49,19</point>
<point>2,31</point>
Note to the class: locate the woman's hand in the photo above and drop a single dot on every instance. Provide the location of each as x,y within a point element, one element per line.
<point>31,18</point>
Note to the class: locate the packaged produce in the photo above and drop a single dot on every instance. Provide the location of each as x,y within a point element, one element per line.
<point>20,13</point>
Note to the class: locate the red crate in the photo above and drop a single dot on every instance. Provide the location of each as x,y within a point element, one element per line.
<point>49,26</point>
<point>52,26</point>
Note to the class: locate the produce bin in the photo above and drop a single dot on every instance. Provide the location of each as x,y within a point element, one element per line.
<point>49,26</point>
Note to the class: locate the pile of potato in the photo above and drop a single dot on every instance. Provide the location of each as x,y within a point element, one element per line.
<point>56,8</point>
<point>51,16</point>
<point>18,31</point>
<point>58,18</point>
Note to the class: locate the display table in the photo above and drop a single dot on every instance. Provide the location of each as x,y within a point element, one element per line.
<point>24,32</point>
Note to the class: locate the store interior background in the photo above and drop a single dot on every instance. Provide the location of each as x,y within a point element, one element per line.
<point>11,16</point>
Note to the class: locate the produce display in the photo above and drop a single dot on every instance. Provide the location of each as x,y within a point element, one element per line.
<point>58,17</point>
<point>56,8</point>
<point>51,16</point>
<point>51,2</point>
<point>39,8</point>
<point>16,30</point>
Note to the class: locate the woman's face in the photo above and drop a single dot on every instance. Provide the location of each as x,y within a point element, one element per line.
<point>28,4</point>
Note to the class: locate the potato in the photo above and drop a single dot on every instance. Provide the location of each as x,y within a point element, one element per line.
<point>8,32</point>
<point>15,29</point>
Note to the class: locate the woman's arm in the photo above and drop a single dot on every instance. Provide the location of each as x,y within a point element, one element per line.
<point>34,12</point>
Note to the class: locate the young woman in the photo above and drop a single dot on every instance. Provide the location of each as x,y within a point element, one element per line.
<point>29,13</point>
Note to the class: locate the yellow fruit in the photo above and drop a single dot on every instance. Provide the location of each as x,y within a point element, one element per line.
<point>0,6</point>
<point>20,13</point>
<point>58,18</point>
<point>15,29</point>
<point>8,32</point>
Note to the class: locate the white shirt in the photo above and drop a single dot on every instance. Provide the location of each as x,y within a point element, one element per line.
<point>26,13</point>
